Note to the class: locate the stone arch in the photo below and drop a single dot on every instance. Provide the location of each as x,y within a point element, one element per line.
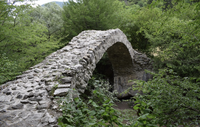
<point>120,53</point>
<point>28,100</point>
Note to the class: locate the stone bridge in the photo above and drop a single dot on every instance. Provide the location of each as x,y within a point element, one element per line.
<point>29,100</point>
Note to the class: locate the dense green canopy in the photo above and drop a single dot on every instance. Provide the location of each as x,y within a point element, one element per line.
<point>82,15</point>
<point>27,35</point>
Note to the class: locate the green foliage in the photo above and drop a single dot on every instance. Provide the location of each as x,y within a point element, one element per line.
<point>94,110</point>
<point>132,17</point>
<point>174,100</point>
<point>50,15</point>
<point>102,85</point>
<point>53,89</point>
<point>172,36</point>
<point>7,69</point>
<point>146,118</point>
<point>141,3</point>
<point>89,14</point>
<point>25,40</point>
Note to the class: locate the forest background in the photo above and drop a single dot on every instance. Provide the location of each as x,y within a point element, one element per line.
<point>166,30</point>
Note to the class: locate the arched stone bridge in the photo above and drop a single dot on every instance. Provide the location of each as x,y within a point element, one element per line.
<point>29,100</point>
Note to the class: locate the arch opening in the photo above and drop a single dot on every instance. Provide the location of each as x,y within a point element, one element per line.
<point>117,66</point>
<point>121,59</point>
<point>104,70</point>
<point>123,68</point>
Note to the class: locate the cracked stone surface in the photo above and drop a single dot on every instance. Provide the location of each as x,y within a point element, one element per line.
<point>29,100</point>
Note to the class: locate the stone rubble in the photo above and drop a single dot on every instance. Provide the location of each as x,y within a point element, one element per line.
<point>29,100</point>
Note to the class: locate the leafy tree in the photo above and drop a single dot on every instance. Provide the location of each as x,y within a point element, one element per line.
<point>141,3</point>
<point>7,69</point>
<point>154,31</point>
<point>89,14</point>
<point>173,93</point>
<point>23,40</point>
<point>15,36</point>
<point>173,100</point>
<point>50,15</point>
<point>176,36</point>
<point>133,19</point>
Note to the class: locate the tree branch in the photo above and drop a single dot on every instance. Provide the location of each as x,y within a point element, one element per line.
<point>191,109</point>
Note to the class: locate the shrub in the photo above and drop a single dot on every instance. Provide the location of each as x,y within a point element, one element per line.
<point>175,100</point>
<point>92,111</point>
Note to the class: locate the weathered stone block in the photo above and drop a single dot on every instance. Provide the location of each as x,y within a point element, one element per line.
<point>64,86</point>
<point>14,107</point>
<point>61,91</point>
<point>65,80</point>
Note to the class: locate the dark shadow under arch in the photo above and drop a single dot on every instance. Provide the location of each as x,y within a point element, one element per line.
<point>121,59</point>
<point>104,69</point>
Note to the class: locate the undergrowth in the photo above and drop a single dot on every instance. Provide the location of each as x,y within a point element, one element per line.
<point>91,109</point>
